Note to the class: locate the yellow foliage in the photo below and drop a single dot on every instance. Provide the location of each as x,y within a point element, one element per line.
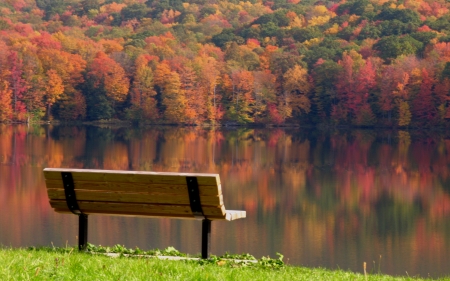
<point>111,46</point>
<point>404,114</point>
<point>412,4</point>
<point>319,10</point>
<point>312,42</point>
<point>369,8</point>
<point>393,6</point>
<point>401,7</point>
<point>54,87</point>
<point>434,41</point>
<point>193,8</point>
<point>297,86</point>
<point>112,8</point>
<point>333,30</point>
<point>297,22</point>
<point>357,58</point>
<point>369,42</point>
<point>320,20</point>
<point>416,76</point>
<point>353,18</point>
<point>5,101</point>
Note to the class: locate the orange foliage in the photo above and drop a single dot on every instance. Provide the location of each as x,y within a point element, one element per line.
<point>110,75</point>
<point>443,50</point>
<point>112,8</point>
<point>111,46</point>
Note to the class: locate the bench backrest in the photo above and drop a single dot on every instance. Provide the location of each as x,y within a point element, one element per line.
<point>154,194</point>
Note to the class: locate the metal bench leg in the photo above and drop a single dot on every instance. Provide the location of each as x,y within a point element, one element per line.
<point>82,231</point>
<point>206,238</point>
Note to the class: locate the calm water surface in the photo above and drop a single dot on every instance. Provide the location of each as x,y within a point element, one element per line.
<point>328,199</point>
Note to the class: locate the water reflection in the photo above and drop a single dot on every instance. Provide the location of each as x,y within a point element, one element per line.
<point>322,199</point>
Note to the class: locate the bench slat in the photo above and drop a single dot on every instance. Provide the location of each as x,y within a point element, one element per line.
<point>133,176</point>
<point>139,208</point>
<point>228,216</point>
<point>156,198</point>
<point>135,187</point>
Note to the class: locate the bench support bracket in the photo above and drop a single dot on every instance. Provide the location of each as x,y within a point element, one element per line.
<point>194,197</point>
<point>206,238</point>
<point>82,232</point>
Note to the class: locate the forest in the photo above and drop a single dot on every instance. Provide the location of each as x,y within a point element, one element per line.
<point>362,63</point>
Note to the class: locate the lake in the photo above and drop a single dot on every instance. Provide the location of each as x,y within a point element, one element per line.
<point>333,199</point>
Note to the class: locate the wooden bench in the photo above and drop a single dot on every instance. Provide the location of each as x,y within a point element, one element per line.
<point>130,193</point>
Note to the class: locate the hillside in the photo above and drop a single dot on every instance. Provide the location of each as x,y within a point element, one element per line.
<point>356,62</point>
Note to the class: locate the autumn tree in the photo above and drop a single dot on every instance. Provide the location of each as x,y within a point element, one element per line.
<point>143,103</point>
<point>296,87</point>
<point>424,111</point>
<point>109,79</point>
<point>195,101</point>
<point>355,82</point>
<point>209,80</point>
<point>53,89</point>
<point>264,88</point>
<point>172,96</point>
<point>324,78</point>
<point>18,85</point>
<point>6,109</point>
<point>241,98</point>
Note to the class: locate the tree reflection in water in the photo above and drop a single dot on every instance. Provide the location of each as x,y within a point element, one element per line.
<point>330,199</point>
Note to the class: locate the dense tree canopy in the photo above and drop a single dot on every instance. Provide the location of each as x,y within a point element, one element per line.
<point>361,63</point>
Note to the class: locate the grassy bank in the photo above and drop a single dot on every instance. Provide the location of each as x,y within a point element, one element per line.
<point>69,264</point>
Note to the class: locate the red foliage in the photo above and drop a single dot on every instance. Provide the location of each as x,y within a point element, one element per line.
<point>46,41</point>
<point>423,107</point>
<point>252,41</point>
<point>424,28</point>
<point>23,28</point>
<point>19,5</point>
<point>343,25</point>
<point>333,7</point>
<point>274,115</point>
<point>18,84</point>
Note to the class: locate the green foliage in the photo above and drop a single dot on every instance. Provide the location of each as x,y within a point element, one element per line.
<point>391,47</point>
<point>446,71</point>
<point>396,27</point>
<point>87,5</point>
<point>441,24</point>
<point>269,29</point>
<point>206,11</point>
<point>158,6</point>
<point>243,260</point>
<point>325,77</point>
<point>403,15</point>
<point>303,34</point>
<point>356,7</point>
<point>278,19</point>
<point>370,31</point>
<point>52,7</point>
<point>120,249</point>
<point>134,11</point>
<point>221,39</point>
<point>4,25</point>
<point>321,52</point>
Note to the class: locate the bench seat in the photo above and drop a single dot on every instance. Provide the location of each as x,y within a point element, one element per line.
<point>136,193</point>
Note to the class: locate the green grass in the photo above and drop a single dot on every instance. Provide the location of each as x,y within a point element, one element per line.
<point>69,264</point>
